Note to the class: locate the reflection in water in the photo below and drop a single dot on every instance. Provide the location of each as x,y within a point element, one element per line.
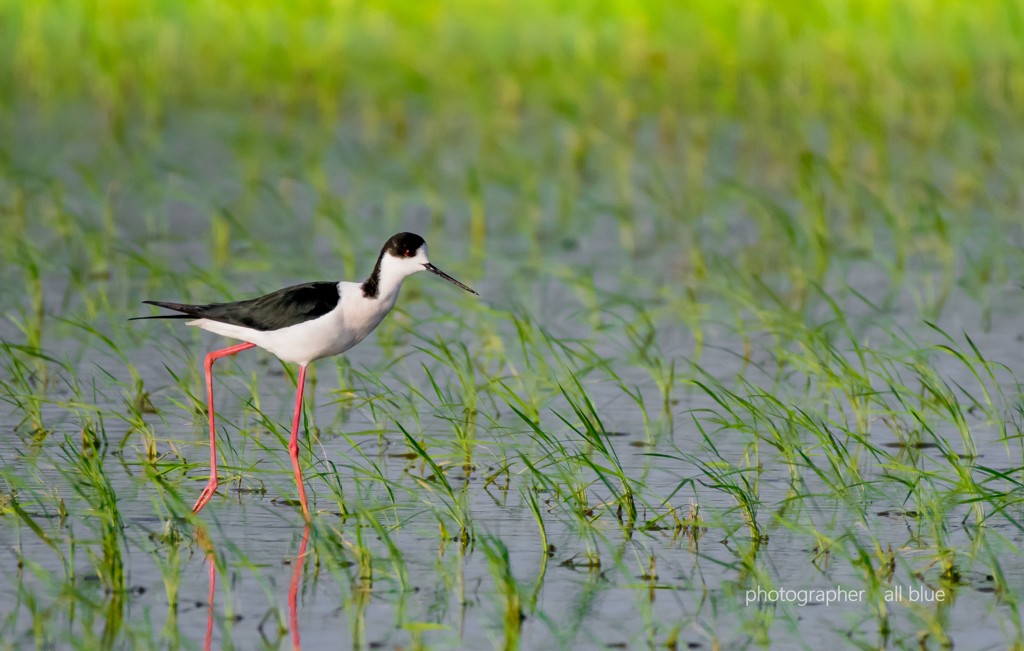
<point>170,571</point>
<point>293,594</point>
<point>361,593</point>
<point>507,588</point>
<point>209,603</point>
<point>211,557</point>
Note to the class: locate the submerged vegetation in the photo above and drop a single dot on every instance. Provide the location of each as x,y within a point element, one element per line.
<point>750,319</point>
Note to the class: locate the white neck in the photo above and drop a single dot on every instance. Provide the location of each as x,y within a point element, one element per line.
<point>391,277</point>
<point>392,271</point>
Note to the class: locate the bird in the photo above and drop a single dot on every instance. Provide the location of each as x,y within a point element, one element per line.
<point>304,323</point>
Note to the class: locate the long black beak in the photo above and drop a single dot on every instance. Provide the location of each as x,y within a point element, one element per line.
<point>434,270</point>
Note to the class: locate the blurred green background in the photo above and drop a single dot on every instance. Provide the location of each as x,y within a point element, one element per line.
<point>867,65</point>
<point>845,130</point>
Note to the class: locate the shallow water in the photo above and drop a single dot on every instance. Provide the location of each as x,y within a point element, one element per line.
<point>191,219</point>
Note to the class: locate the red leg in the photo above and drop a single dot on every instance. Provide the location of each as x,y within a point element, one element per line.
<point>293,593</point>
<point>293,446</point>
<point>211,486</point>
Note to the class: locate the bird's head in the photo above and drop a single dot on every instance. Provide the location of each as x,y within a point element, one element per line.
<point>405,254</point>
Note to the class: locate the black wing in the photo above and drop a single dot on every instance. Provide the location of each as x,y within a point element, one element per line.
<point>280,309</point>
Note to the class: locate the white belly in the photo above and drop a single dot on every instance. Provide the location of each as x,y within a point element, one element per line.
<point>350,322</point>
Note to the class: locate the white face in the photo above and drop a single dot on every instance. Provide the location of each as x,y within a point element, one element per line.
<point>402,266</point>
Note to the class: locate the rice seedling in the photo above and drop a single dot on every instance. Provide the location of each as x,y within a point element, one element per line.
<point>762,257</point>
<point>506,586</point>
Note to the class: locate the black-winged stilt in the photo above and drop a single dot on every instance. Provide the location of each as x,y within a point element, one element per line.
<point>304,323</point>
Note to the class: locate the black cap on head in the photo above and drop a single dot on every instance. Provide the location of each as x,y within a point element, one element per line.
<point>403,245</point>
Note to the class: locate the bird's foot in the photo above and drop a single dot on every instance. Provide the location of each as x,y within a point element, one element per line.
<point>208,492</point>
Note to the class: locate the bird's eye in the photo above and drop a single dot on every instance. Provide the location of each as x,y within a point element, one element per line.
<point>409,253</point>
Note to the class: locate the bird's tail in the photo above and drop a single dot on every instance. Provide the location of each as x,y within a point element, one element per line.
<point>162,316</point>
<point>190,311</point>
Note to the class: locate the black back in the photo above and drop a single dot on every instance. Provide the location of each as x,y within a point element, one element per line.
<point>403,245</point>
<point>280,309</point>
